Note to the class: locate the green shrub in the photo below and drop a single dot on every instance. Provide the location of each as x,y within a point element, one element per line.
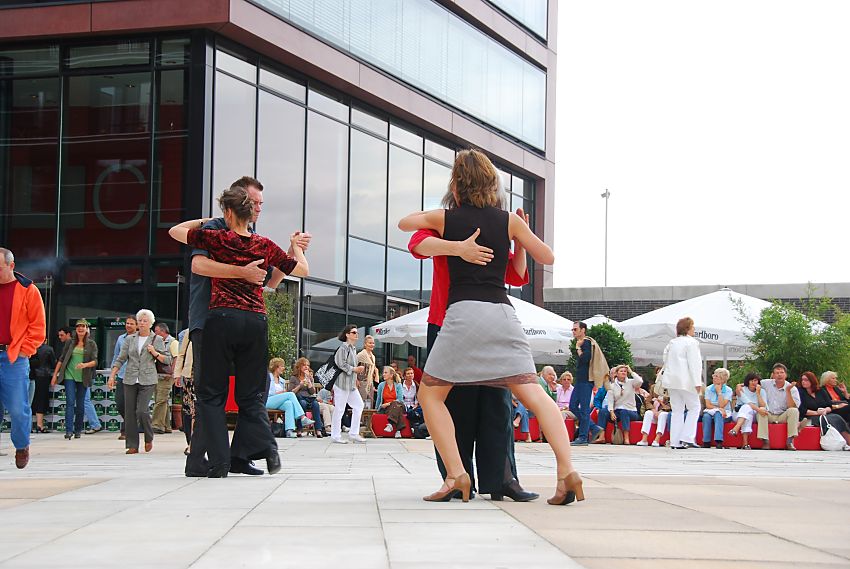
<point>280,307</point>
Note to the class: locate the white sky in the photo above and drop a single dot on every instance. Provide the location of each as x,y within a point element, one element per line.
<point>722,130</point>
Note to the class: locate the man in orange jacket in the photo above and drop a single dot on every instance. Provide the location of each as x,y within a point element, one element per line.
<point>22,331</point>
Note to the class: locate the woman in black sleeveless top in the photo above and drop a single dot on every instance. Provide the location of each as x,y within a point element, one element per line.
<point>481,341</point>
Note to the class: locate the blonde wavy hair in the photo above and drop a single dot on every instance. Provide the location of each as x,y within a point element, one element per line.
<point>474,180</point>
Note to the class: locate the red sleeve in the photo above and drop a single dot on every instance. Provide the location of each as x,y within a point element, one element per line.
<point>277,257</point>
<point>418,238</point>
<point>201,238</point>
<point>512,277</point>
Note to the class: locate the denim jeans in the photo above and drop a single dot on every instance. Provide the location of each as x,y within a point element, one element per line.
<point>14,396</point>
<point>717,420</point>
<point>90,413</point>
<point>75,403</point>
<point>624,416</point>
<point>580,406</point>
<point>310,404</point>
<point>523,417</point>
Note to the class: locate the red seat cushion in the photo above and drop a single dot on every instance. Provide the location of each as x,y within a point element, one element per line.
<point>808,439</point>
<point>379,422</point>
<point>533,430</point>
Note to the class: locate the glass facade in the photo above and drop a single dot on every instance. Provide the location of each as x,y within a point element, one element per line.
<point>93,139</point>
<point>430,48</point>
<point>530,13</point>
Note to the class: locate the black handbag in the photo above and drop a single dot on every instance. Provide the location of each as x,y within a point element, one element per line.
<point>279,430</point>
<point>328,373</point>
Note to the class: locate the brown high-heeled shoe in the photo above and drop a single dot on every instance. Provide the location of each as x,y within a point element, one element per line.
<point>132,451</point>
<point>571,491</point>
<point>462,485</point>
<point>148,447</point>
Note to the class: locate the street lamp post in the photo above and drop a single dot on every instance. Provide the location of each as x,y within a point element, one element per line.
<point>606,195</point>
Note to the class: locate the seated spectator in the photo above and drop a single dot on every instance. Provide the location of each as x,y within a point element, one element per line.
<point>782,401</point>
<point>546,379</point>
<point>326,408</point>
<point>599,402</point>
<point>718,408</point>
<point>564,393</point>
<point>521,417</point>
<point>658,412</point>
<point>622,405</point>
<point>747,405</point>
<point>411,403</point>
<point>834,393</point>
<point>389,401</point>
<point>301,384</point>
<point>811,408</point>
<point>282,400</point>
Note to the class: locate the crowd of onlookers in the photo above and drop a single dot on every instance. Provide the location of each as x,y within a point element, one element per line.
<point>754,403</point>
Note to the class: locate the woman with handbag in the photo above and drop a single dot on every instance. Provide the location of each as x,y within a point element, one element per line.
<point>816,409</point>
<point>345,387</point>
<point>301,385</point>
<point>389,401</point>
<point>834,395</point>
<point>142,350</point>
<point>76,368</point>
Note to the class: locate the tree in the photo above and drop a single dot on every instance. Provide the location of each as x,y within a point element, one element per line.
<point>615,347</point>
<point>280,308</point>
<point>800,340</point>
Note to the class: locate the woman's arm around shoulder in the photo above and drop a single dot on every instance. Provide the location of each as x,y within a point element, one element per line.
<point>519,230</point>
<point>433,219</point>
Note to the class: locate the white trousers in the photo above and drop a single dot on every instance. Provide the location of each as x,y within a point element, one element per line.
<point>649,419</point>
<point>748,414</point>
<point>682,429</point>
<point>341,398</point>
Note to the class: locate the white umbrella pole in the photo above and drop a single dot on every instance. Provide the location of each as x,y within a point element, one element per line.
<point>725,358</point>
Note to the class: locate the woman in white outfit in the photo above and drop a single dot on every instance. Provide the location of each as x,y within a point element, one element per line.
<point>345,387</point>
<point>683,380</point>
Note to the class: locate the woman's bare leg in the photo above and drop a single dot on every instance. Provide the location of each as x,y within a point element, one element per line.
<point>441,427</point>
<point>551,422</point>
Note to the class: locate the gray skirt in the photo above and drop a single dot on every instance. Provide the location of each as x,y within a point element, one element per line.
<point>480,343</point>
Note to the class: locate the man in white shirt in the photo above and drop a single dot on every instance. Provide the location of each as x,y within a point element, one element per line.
<point>782,402</point>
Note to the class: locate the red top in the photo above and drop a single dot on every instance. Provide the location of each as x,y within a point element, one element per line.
<point>440,279</point>
<point>230,248</point>
<point>389,395</point>
<point>829,388</point>
<point>7,293</point>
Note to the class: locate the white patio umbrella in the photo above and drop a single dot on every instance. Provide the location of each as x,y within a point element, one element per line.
<point>599,319</point>
<point>721,319</point>
<point>547,332</point>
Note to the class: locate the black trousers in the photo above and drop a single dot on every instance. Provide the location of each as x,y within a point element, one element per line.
<point>236,337</point>
<point>483,425</point>
<point>196,462</point>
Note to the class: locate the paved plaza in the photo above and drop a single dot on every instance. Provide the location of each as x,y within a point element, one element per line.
<point>84,503</point>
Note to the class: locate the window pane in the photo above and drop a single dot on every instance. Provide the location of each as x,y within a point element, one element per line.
<point>103,274</point>
<point>109,55</point>
<point>367,121</point>
<point>440,152</point>
<point>319,333</point>
<point>30,60</point>
<point>359,301</point>
<point>280,167</point>
<point>324,295</point>
<point>405,192</point>
<point>402,274</point>
<point>283,85</point>
<point>327,196</point>
<point>365,264</point>
<point>29,139</point>
<point>233,134</point>
<point>529,13</point>
<point>328,105</point>
<point>368,214</point>
<point>437,179</point>
<point>174,52</point>
<point>236,66</point>
<point>106,166</point>
<point>406,138</point>
<point>171,138</point>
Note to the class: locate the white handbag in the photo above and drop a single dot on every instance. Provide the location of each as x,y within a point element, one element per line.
<point>830,438</point>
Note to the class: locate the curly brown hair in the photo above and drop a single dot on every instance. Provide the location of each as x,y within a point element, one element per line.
<point>237,200</point>
<point>474,180</point>
<point>296,368</point>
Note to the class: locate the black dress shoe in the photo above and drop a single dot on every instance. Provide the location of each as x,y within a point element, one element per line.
<point>244,467</point>
<point>219,471</point>
<point>197,473</point>
<point>273,462</point>
<point>515,492</point>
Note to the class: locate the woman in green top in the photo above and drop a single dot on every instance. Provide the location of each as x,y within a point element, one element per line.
<point>75,371</point>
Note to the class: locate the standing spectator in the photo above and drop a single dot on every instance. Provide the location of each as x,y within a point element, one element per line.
<point>21,333</point>
<point>237,336</point>
<point>564,394</point>
<point>141,351</point>
<point>368,381</point>
<point>162,397</point>
<point>682,378</point>
<point>76,370</point>
<point>718,408</point>
<point>411,402</point>
<point>183,378</point>
<point>281,399</point>
<point>748,402</point>
<point>622,405</point>
<point>204,269</point>
<point>345,387</point>
<point>42,364</point>
<point>389,401</point>
<point>301,384</point>
<point>781,406</point>
<point>589,362</point>
<point>417,373</point>
<point>834,393</point>
<point>130,327</point>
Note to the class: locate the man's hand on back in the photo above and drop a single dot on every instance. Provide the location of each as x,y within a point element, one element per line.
<point>472,252</point>
<point>253,273</point>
